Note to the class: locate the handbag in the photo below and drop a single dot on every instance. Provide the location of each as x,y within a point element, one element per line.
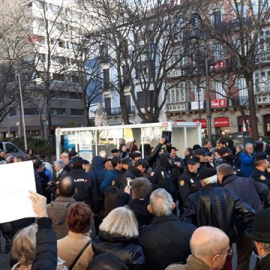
<point>79,255</point>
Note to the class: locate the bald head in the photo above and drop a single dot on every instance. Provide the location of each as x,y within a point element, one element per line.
<point>210,245</point>
<point>66,187</point>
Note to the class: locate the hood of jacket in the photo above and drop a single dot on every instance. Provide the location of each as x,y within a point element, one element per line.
<point>97,163</point>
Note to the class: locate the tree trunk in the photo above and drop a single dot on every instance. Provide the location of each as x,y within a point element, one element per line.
<point>252,108</point>
<point>123,106</point>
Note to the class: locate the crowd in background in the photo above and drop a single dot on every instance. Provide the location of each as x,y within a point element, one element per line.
<point>162,211</point>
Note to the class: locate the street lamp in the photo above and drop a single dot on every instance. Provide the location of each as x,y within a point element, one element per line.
<point>197,22</point>
<point>22,112</point>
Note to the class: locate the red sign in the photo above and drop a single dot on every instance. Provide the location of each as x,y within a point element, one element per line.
<point>218,103</point>
<point>222,122</point>
<point>36,39</point>
<point>203,122</point>
<point>218,66</point>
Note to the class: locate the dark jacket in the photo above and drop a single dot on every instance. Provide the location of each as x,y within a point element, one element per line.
<point>162,177</point>
<point>264,263</point>
<point>260,176</point>
<point>218,207</point>
<point>188,183</point>
<point>132,172</point>
<point>46,249</point>
<point>86,186</point>
<point>250,191</point>
<point>139,207</point>
<point>107,181</point>
<point>166,241</point>
<point>98,168</point>
<point>126,249</point>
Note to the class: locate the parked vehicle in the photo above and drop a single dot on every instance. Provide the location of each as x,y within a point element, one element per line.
<point>11,148</point>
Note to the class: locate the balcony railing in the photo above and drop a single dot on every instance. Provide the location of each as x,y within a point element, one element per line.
<point>118,110</point>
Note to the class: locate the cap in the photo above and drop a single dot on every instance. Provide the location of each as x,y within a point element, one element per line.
<point>224,150</point>
<point>193,160</point>
<point>207,172</point>
<point>196,146</point>
<point>127,161</point>
<point>115,151</point>
<point>222,141</point>
<point>260,156</point>
<point>199,152</point>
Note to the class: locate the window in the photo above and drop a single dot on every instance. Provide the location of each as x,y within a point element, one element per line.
<point>38,4</point>
<point>75,95</point>
<point>218,87</point>
<point>106,78</point>
<point>218,51</point>
<point>13,112</point>
<point>217,18</point>
<point>77,112</point>
<point>199,91</point>
<point>262,81</point>
<point>177,93</point>
<point>31,111</point>
<point>104,53</point>
<point>58,77</point>
<point>41,57</point>
<point>145,98</point>
<point>75,79</point>
<point>242,88</point>
<point>61,43</point>
<point>60,60</point>
<point>58,111</point>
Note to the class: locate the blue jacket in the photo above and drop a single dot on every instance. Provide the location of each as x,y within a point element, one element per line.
<point>246,164</point>
<point>98,168</point>
<point>109,176</point>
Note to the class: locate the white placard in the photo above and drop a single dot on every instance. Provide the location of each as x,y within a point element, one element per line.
<point>16,179</point>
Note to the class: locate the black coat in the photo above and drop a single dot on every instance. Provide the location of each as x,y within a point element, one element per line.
<point>46,249</point>
<point>264,263</point>
<point>215,206</point>
<point>250,191</point>
<point>139,207</point>
<point>166,241</point>
<point>126,249</point>
<point>87,188</point>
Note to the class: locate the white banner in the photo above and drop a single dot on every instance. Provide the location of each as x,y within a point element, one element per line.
<point>16,181</point>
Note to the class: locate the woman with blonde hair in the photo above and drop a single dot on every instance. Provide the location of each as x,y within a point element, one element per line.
<point>24,248</point>
<point>118,235</point>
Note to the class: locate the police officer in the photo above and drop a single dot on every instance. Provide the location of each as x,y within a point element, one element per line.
<point>261,171</point>
<point>201,154</point>
<point>161,175</point>
<point>188,182</point>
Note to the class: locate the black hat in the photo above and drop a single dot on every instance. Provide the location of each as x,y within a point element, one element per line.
<point>261,225</point>
<point>115,151</point>
<point>258,146</point>
<point>207,172</point>
<point>136,154</point>
<point>193,160</point>
<point>84,161</point>
<point>77,160</point>
<point>196,146</point>
<point>127,161</point>
<point>199,152</point>
<point>225,150</point>
<point>107,159</point>
<point>143,162</point>
<point>260,156</point>
<point>222,141</point>
<point>72,153</point>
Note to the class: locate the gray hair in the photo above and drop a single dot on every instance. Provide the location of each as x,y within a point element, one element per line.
<point>248,144</point>
<point>161,202</point>
<point>210,180</point>
<point>60,163</point>
<point>103,154</point>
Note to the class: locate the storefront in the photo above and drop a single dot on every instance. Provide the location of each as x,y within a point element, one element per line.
<point>222,125</point>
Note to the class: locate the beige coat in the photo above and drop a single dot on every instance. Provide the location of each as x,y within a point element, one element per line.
<point>70,246</point>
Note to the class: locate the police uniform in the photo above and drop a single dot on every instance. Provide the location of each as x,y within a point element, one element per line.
<point>258,175</point>
<point>188,182</point>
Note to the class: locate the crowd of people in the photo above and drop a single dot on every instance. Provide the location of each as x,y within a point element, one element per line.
<point>123,211</point>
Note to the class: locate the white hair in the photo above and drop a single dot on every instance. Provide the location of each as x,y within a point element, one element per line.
<point>161,202</point>
<point>210,180</point>
<point>103,154</point>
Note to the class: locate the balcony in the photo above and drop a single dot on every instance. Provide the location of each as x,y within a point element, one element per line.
<point>176,107</point>
<point>263,99</point>
<point>118,110</point>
